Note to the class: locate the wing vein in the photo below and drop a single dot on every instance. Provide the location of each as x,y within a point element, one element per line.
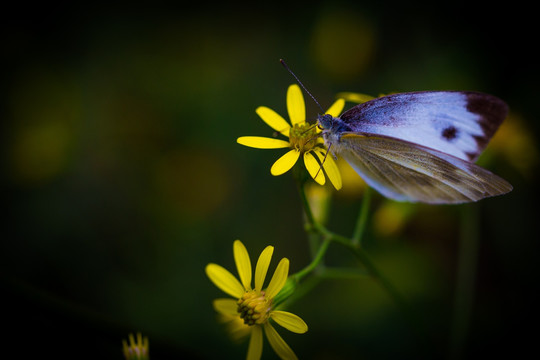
<point>409,172</point>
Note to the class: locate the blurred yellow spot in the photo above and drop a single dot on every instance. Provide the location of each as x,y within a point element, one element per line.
<point>194,182</point>
<point>515,142</point>
<point>43,111</point>
<point>343,43</point>
<point>39,152</point>
<point>319,201</point>
<point>391,217</point>
<point>355,97</point>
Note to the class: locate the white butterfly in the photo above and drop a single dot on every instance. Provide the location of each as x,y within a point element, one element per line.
<point>421,146</point>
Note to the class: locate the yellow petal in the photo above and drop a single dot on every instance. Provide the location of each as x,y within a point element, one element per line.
<point>262,142</point>
<point>278,344</point>
<point>262,267</point>
<point>331,168</point>
<point>255,344</point>
<point>226,307</point>
<point>314,168</point>
<point>355,97</point>
<point>285,163</point>
<point>274,120</point>
<point>289,321</point>
<point>333,173</point>
<point>336,108</point>
<point>224,280</point>
<point>295,105</point>
<point>243,264</point>
<point>278,279</point>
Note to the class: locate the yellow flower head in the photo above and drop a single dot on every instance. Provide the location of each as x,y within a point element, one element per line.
<point>253,306</point>
<point>304,139</point>
<point>136,350</point>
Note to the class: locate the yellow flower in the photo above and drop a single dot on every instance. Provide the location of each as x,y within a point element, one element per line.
<point>304,139</point>
<point>254,306</point>
<point>136,350</point>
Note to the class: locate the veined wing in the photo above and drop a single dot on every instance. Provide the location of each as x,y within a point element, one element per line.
<point>404,171</point>
<point>459,123</point>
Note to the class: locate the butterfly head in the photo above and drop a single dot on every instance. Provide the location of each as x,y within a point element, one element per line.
<point>330,127</point>
<point>326,121</point>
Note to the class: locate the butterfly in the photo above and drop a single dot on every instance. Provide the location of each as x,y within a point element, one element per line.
<point>420,146</point>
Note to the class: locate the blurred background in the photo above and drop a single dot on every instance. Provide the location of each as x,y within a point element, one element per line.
<point>122,177</point>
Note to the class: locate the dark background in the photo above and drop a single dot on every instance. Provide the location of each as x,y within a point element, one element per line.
<point>123,179</point>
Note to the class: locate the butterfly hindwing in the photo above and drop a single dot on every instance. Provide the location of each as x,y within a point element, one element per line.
<point>406,171</point>
<point>459,123</point>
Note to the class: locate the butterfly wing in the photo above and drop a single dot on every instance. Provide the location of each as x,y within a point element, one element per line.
<point>405,171</point>
<point>458,123</point>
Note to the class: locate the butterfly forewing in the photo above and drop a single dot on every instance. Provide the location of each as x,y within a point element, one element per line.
<point>406,171</point>
<point>458,123</point>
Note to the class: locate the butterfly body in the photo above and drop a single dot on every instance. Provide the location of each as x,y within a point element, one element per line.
<point>420,146</point>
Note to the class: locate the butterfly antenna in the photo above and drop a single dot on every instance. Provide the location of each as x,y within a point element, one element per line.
<point>302,85</point>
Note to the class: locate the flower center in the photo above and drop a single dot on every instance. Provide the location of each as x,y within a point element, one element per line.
<point>303,137</point>
<point>253,307</point>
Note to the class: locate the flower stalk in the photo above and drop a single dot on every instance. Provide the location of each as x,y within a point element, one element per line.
<point>362,219</point>
<point>352,244</point>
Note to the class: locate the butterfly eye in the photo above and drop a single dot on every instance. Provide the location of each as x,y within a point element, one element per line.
<point>325,121</point>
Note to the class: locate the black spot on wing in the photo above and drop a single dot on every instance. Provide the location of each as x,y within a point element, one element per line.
<point>450,133</point>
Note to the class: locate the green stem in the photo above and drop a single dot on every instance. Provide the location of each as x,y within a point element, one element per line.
<point>300,292</point>
<point>372,270</point>
<point>353,245</point>
<point>466,274</point>
<point>314,263</point>
<point>362,219</point>
<point>360,254</point>
<point>326,273</point>
<point>305,203</point>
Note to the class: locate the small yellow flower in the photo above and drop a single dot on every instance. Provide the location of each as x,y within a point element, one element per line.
<point>254,306</point>
<point>136,350</point>
<point>304,139</point>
